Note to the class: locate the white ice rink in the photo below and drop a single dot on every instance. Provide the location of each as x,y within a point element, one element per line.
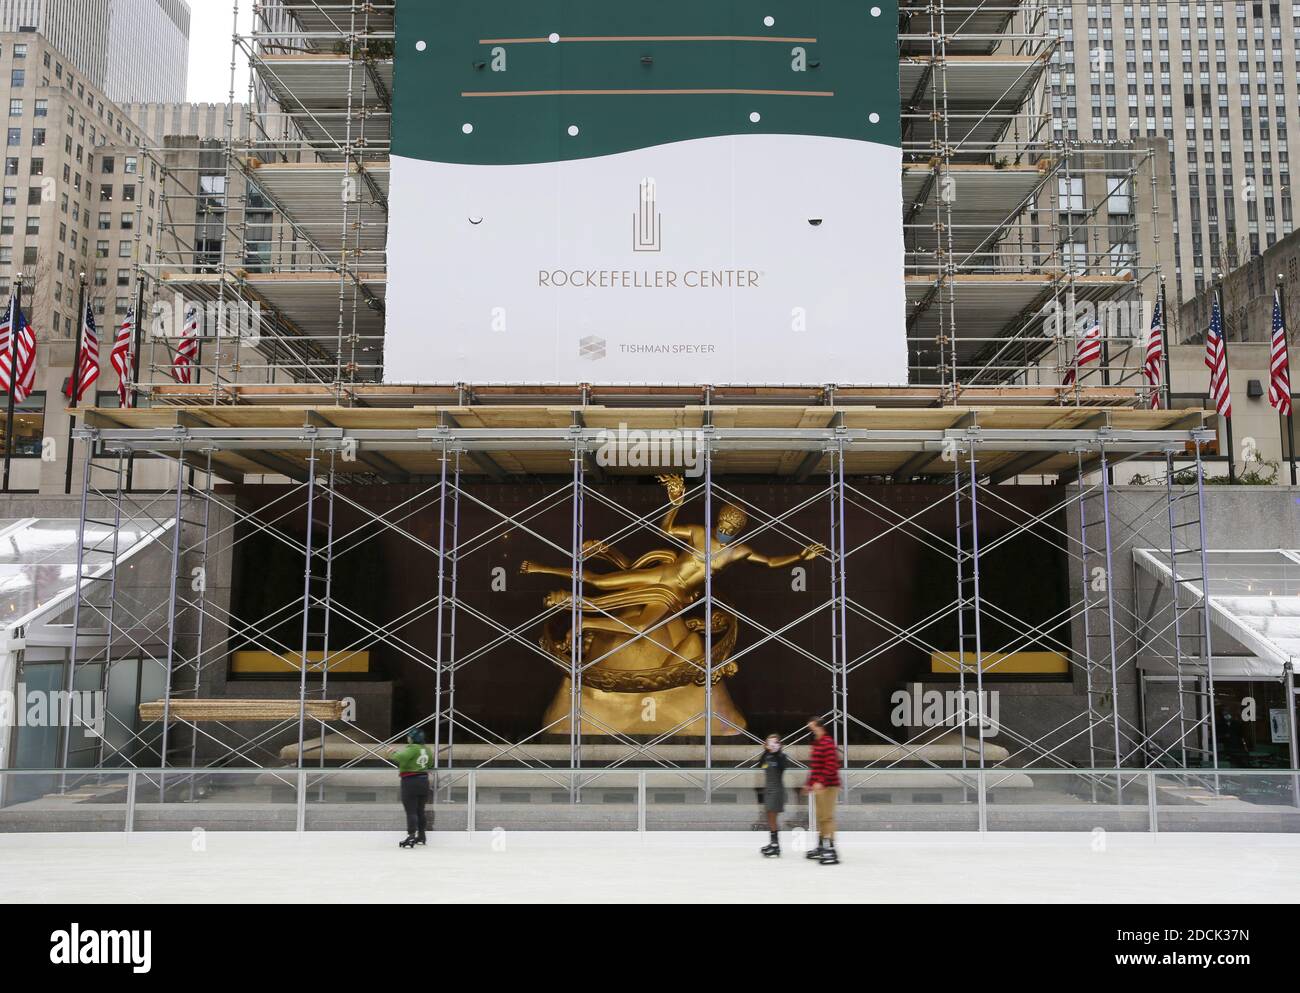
<point>664,868</point>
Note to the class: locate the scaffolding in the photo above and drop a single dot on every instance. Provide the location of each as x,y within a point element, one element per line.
<point>285,216</point>
<point>1015,231</point>
<point>847,458</point>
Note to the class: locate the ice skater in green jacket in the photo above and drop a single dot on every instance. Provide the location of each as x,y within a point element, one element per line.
<point>413,764</point>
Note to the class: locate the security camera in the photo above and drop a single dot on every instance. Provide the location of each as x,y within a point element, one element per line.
<point>815,221</point>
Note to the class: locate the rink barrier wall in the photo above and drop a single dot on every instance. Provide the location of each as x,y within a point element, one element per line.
<point>648,800</point>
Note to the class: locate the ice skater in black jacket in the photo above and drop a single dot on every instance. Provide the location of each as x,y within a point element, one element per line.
<point>773,762</point>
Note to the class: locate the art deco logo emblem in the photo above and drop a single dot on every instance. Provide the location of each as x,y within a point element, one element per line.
<point>647,222</point>
<point>592,348</point>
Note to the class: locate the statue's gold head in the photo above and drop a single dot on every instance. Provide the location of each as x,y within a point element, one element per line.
<point>731,521</point>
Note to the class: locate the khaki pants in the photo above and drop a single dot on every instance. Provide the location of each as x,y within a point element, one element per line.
<point>824,802</point>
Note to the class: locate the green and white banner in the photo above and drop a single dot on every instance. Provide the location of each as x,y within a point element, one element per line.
<point>677,192</point>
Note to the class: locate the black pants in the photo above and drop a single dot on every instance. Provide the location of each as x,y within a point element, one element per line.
<point>415,797</point>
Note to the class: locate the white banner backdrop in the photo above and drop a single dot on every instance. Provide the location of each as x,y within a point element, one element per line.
<point>760,259</point>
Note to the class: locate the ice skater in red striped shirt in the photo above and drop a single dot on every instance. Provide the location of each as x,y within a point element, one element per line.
<point>823,783</point>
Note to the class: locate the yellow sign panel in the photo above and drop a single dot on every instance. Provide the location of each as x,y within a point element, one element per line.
<point>273,664</point>
<point>1002,663</point>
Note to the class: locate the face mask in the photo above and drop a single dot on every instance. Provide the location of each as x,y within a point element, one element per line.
<point>725,539</point>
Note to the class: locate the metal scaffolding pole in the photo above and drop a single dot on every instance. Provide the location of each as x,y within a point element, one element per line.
<point>441,603</point>
<point>977,605</point>
<point>1207,644</point>
<point>201,605</point>
<point>837,497</point>
<point>308,553</point>
<point>577,602</point>
<point>834,553</point>
<point>171,617</point>
<point>455,581</point>
<point>1171,503</point>
<point>1104,470</point>
<point>328,606</point>
<point>120,477</point>
<point>964,717</point>
<point>709,535</point>
<point>76,603</point>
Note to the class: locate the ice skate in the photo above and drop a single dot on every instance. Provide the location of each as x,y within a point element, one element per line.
<point>407,842</point>
<point>771,850</point>
<point>829,856</point>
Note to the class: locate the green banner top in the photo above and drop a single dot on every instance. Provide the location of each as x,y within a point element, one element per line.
<point>500,82</point>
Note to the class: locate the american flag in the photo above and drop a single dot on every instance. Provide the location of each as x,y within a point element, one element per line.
<point>1216,359</point>
<point>87,371</point>
<point>122,359</point>
<point>1153,366</point>
<point>187,350</point>
<point>1279,383</point>
<point>17,364</point>
<point>1088,350</point>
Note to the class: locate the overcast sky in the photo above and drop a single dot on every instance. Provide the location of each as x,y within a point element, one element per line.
<point>210,29</point>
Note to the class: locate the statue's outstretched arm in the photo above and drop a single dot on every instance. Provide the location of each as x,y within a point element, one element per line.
<point>676,487</point>
<point>784,561</point>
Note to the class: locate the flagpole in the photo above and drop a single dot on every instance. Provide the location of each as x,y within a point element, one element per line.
<point>16,309</point>
<point>137,344</point>
<point>75,382</point>
<point>1286,347</point>
<point>1223,340</point>
<point>1166,345</point>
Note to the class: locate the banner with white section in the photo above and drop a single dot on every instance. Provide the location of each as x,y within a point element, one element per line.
<point>672,195</point>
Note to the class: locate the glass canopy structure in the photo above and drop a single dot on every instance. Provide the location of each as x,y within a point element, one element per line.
<point>1254,600</point>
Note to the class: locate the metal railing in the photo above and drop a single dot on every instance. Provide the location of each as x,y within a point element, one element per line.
<point>659,799</point>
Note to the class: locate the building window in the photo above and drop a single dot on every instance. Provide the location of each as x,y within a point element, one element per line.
<point>28,434</point>
<point>15,108</point>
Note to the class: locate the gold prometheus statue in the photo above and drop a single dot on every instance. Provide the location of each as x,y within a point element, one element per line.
<point>642,657</point>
